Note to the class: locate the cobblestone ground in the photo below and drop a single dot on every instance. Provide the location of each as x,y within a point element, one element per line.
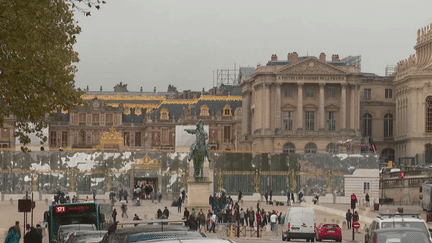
<point>331,213</point>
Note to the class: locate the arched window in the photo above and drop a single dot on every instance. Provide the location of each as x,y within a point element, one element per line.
<point>388,125</point>
<point>288,148</point>
<point>164,115</point>
<point>204,110</point>
<point>388,154</point>
<point>429,114</point>
<point>331,148</point>
<point>428,153</point>
<point>227,110</point>
<point>310,148</point>
<point>367,125</point>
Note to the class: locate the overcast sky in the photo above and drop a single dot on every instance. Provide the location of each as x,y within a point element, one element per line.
<point>154,43</point>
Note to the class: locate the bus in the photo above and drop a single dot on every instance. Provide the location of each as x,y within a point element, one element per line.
<point>98,214</point>
<point>426,196</point>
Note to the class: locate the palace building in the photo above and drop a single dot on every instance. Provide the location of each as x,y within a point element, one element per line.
<point>300,105</point>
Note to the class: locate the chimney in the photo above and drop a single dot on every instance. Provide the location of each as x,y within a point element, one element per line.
<point>322,57</point>
<point>294,58</point>
<point>274,57</point>
<point>335,58</point>
<point>87,88</point>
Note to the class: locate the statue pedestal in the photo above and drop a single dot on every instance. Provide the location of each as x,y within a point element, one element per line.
<point>198,194</point>
<point>199,189</point>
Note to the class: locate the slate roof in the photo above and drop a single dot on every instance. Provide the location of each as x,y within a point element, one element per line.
<point>133,118</point>
<point>60,117</point>
<point>175,111</point>
<point>215,106</point>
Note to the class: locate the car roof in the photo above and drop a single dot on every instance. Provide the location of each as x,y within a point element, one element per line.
<point>191,240</point>
<point>397,229</point>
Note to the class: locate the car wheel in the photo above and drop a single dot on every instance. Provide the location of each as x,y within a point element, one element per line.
<point>283,238</point>
<point>307,240</point>
<point>312,240</point>
<point>288,239</point>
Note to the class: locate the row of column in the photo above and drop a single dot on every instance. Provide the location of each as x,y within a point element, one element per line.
<point>265,107</point>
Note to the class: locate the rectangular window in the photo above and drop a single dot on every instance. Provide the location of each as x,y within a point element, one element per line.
<point>137,139</point>
<point>109,119</point>
<point>82,118</point>
<point>288,92</point>
<point>366,187</point>
<point>331,121</point>
<point>165,138</point>
<point>309,118</point>
<point>5,134</point>
<point>331,92</point>
<point>126,139</point>
<point>388,94</point>
<point>64,139</point>
<point>213,136</point>
<point>310,92</point>
<point>367,94</point>
<point>155,138</point>
<point>95,119</point>
<point>53,139</point>
<point>288,120</point>
<point>227,134</point>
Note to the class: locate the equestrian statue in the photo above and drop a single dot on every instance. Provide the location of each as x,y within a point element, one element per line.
<point>199,149</point>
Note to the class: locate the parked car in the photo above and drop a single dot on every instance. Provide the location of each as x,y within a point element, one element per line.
<point>388,170</point>
<point>149,230</point>
<point>64,230</point>
<point>299,224</point>
<point>85,236</point>
<point>397,220</point>
<point>410,235</point>
<point>329,232</point>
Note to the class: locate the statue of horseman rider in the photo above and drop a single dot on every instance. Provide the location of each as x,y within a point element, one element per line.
<point>199,149</point>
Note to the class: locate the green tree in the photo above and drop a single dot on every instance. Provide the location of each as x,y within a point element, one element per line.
<point>36,63</point>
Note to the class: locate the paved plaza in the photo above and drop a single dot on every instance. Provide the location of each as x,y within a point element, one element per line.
<point>330,213</point>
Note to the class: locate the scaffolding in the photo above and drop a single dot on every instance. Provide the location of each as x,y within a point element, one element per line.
<point>390,70</point>
<point>226,76</point>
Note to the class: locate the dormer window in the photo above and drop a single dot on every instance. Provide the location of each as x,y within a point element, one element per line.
<point>126,111</point>
<point>204,110</point>
<point>227,110</point>
<point>164,114</point>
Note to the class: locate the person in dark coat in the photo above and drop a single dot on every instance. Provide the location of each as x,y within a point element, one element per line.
<point>348,217</point>
<point>159,213</point>
<point>271,195</point>
<point>32,236</point>
<point>114,215</point>
<point>179,204</point>
<point>39,230</point>
<point>240,195</point>
<point>166,212</point>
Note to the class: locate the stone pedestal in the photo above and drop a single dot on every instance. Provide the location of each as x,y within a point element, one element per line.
<point>199,190</point>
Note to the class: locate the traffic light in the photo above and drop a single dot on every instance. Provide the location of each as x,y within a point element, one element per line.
<point>353,201</point>
<point>402,175</point>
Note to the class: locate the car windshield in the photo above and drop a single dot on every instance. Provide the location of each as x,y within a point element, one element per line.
<point>331,226</point>
<point>403,224</point>
<point>401,236</point>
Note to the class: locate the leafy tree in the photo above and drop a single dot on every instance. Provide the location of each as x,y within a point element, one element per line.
<point>36,62</point>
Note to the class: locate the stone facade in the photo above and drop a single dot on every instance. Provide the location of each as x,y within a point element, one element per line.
<point>303,105</point>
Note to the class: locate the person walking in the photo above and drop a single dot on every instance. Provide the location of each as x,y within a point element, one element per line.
<point>124,210</point>
<point>348,218</point>
<point>271,195</point>
<point>179,204</point>
<point>213,223</point>
<point>266,197</point>
<point>114,215</point>
<point>367,199</point>
<point>242,217</point>
<point>240,195</point>
<point>273,220</point>
<point>14,234</point>
<point>251,217</point>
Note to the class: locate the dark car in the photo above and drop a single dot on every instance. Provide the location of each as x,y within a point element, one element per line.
<point>329,232</point>
<point>145,231</point>
<point>409,235</point>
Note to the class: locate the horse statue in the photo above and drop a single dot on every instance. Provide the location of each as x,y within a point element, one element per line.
<point>199,149</point>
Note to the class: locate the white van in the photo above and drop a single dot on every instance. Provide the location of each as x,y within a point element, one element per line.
<point>299,223</point>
